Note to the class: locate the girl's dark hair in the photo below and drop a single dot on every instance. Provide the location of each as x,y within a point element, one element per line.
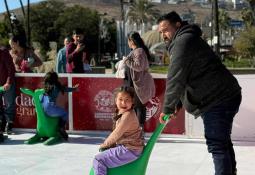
<point>129,90</point>
<point>171,17</point>
<point>21,40</point>
<point>125,89</point>
<point>138,41</point>
<point>51,80</point>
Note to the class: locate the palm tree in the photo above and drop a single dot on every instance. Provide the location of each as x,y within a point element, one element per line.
<point>215,12</point>
<point>215,23</point>
<point>142,11</point>
<point>224,20</point>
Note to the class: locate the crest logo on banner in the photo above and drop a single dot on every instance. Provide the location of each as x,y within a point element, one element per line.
<point>104,103</point>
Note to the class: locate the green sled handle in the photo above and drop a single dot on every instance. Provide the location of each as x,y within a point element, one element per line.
<point>139,166</point>
<point>47,128</point>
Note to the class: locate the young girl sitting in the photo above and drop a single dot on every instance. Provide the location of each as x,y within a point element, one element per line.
<point>52,87</point>
<point>125,143</point>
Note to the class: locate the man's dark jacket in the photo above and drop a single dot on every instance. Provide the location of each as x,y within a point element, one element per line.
<point>196,76</point>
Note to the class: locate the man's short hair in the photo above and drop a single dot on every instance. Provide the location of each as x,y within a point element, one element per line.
<point>68,38</point>
<point>172,17</point>
<point>78,31</point>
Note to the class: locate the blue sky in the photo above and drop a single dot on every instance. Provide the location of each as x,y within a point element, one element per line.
<point>13,4</point>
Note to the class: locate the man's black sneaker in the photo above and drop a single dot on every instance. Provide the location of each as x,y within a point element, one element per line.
<point>1,138</point>
<point>9,128</point>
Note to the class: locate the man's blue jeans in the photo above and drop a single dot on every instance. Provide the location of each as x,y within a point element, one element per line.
<point>218,127</point>
<point>9,110</point>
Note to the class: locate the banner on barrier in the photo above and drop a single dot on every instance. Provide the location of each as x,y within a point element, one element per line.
<point>25,110</point>
<point>93,104</point>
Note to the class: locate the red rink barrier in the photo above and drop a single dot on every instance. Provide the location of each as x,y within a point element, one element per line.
<point>92,105</point>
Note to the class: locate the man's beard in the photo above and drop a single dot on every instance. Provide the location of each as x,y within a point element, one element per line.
<point>167,42</point>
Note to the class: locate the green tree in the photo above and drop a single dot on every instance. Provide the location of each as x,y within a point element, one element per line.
<point>142,11</point>
<point>224,20</point>
<point>4,34</point>
<point>89,21</point>
<point>83,18</point>
<point>52,21</point>
<point>77,17</point>
<point>244,45</point>
<point>5,31</point>
<point>42,19</point>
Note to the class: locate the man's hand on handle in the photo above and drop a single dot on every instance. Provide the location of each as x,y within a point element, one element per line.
<point>161,116</point>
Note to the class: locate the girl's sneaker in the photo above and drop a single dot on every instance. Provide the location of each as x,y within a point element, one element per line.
<point>63,133</point>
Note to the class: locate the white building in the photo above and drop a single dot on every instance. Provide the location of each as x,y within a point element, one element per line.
<point>157,1</point>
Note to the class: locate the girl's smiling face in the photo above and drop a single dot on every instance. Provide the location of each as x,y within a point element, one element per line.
<point>124,102</point>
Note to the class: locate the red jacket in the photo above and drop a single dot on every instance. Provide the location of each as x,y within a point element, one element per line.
<point>7,69</point>
<point>75,59</point>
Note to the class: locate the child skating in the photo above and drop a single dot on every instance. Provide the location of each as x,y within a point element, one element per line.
<point>52,88</point>
<point>125,143</point>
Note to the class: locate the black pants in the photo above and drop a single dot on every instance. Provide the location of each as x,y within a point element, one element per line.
<point>2,118</point>
<point>140,110</point>
<point>218,126</point>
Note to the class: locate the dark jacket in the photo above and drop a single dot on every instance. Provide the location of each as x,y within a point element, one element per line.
<point>7,69</point>
<point>196,75</point>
